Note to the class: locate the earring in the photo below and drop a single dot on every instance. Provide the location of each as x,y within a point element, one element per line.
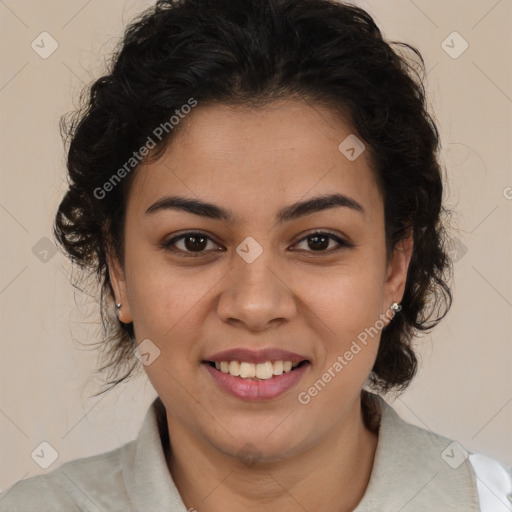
<point>395,307</point>
<point>118,310</point>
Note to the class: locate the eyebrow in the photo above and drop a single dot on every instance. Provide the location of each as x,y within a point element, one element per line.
<point>291,212</point>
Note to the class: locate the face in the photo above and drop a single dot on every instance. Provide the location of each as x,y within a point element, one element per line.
<point>258,278</point>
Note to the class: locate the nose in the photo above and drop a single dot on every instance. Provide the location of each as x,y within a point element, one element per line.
<point>257,294</point>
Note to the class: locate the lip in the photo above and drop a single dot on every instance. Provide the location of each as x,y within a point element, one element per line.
<point>256,390</point>
<point>256,356</point>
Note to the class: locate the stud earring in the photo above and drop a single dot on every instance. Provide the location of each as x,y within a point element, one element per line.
<point>395,307</point>
<point>118,311</point>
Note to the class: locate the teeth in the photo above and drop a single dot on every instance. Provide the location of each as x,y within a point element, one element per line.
<point>234,368</point>
<point>247,370</point>
<point>264,370</point>
<point>261,371</point>
<point>278,368</point>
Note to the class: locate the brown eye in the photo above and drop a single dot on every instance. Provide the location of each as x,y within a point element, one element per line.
<point>189,244</point>
<point>319,241</point>
<point>195,242</point>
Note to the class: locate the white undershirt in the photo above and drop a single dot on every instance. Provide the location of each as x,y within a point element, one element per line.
<point>494,483</point>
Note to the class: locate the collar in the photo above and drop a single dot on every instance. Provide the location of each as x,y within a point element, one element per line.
<point>409,473</point>
<point>145,471</point>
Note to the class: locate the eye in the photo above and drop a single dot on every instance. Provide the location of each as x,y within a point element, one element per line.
<point>192,244</point>
<point>319,241</point>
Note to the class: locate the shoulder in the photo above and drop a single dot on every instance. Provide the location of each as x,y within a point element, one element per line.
<point>491,478</point>
<point>85,484</point>
<point>425,469</point>
<point>39,492</point>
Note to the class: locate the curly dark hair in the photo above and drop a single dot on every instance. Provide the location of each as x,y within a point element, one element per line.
<point>253,52</point>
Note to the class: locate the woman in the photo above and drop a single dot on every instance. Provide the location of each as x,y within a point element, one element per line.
<point>256,186</point>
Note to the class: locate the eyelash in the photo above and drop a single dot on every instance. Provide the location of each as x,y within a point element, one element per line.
<point>168,245</point>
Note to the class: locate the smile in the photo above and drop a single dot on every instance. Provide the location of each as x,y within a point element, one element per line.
<point>260,381</point>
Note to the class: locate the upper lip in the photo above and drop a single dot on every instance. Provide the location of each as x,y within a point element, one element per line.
<point>256,356</point>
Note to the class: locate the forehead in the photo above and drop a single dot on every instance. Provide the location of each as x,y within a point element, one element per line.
<point>242,157</point>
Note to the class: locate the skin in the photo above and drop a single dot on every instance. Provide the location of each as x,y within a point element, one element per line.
<point>254,162</point>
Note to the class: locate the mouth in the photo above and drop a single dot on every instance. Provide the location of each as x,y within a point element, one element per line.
<point>261,381</point>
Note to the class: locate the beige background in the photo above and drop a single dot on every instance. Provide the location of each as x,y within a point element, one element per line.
<point>464,387</point>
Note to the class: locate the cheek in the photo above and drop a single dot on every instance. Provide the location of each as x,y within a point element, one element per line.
<point>168,307</point>
<point>346,298</point>
<point>347,319</point>
<point>163,298</point>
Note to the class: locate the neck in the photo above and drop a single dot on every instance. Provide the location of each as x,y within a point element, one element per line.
<point>331,476</point>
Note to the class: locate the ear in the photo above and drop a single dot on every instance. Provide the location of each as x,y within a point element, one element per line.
<point>118,281</point>
<point>396,274</point>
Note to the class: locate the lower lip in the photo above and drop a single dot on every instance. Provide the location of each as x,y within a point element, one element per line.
<point>257,389</point>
